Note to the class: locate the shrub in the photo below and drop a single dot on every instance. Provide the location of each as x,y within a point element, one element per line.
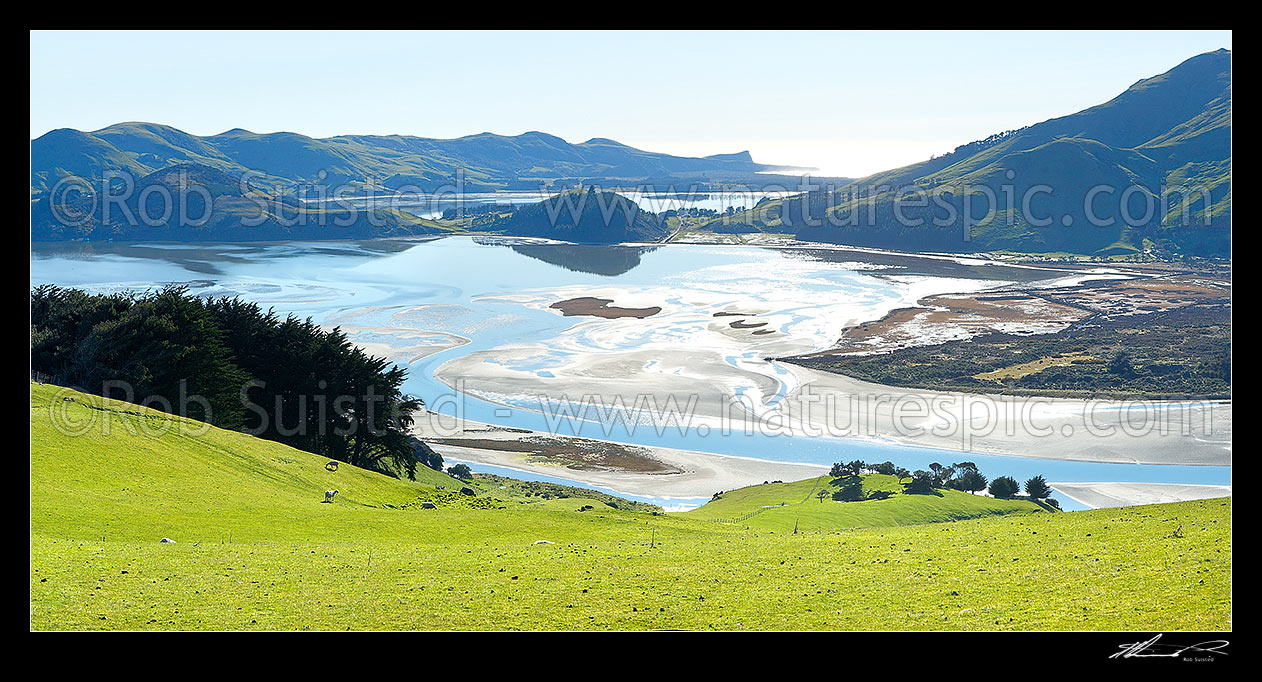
<point>1004,487</point>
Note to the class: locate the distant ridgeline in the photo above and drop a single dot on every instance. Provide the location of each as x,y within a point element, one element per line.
<point>148,181</point>
<point>482,163</point>
<point>1148,170</point>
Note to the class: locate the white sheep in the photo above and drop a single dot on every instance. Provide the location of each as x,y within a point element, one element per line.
<point>328,495</point>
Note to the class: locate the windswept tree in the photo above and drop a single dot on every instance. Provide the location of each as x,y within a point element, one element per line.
<point>942,475</point>
<point>921,482</point>
<point>228,362</point>
<point>163,350</point>
<point>1037,488</point>
<point>1004,487</point>
<point>461,471</point>
<point>971,481</point>
<point>316,391</point>
<point>902,473</point>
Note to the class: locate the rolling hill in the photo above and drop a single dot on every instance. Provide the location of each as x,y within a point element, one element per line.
<point>589,216</point>
<point>255,548</point>
<point>483,162</point>
<point>172,204</point>
<point>1149,169</point>
<point>786,506</point>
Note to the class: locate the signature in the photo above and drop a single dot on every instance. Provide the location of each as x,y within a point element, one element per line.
<point>1152,649</point>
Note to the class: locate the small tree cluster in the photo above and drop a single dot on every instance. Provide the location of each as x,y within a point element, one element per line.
<point>855,468</point>
<point>921,482</point>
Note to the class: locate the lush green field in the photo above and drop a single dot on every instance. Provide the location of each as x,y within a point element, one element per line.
<point>785,506</point>
<point>256,548</point>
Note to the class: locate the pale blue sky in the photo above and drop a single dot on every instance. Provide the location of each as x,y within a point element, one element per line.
<point>848,103</point>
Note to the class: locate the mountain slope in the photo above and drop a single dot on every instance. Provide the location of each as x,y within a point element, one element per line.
<point>1091,182</point>
<point>171,205</point>
<point>481,162</point>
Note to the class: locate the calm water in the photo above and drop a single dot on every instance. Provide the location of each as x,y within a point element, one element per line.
<point>486,294</point>
<point>432,206</point>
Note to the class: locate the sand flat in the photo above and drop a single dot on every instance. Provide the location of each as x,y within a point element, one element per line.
<point>685,474</point>
<point>1123,432</point>
<point>1104,495</point>
<point>803,401</point>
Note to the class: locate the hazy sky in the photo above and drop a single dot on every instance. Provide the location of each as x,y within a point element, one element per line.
<point>847,103</point>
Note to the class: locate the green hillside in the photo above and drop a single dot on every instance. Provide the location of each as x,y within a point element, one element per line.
<point>1170,133</point>
<point>483,162</point>
<point>257,549</point>
<point>785,506</point>
<point>586,216</point>
<point>171,205</point>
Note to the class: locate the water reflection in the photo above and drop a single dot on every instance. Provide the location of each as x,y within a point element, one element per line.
<point>594,259</point>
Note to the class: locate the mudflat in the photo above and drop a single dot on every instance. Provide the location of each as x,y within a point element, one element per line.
<point>600,307</point>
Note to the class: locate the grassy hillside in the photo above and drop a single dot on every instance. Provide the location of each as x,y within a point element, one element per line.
<point>256,549</point>
<point>174,208</point>
<point>483,162</point>
<point>784,506</point>
<point>1169,131</point>
<point>586,216</point>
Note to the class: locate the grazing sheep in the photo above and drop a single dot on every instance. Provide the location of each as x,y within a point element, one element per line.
<point>328,495</point>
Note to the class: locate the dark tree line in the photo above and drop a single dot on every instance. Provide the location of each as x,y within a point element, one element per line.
<point>232,364</point>
<point>965,477</point>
